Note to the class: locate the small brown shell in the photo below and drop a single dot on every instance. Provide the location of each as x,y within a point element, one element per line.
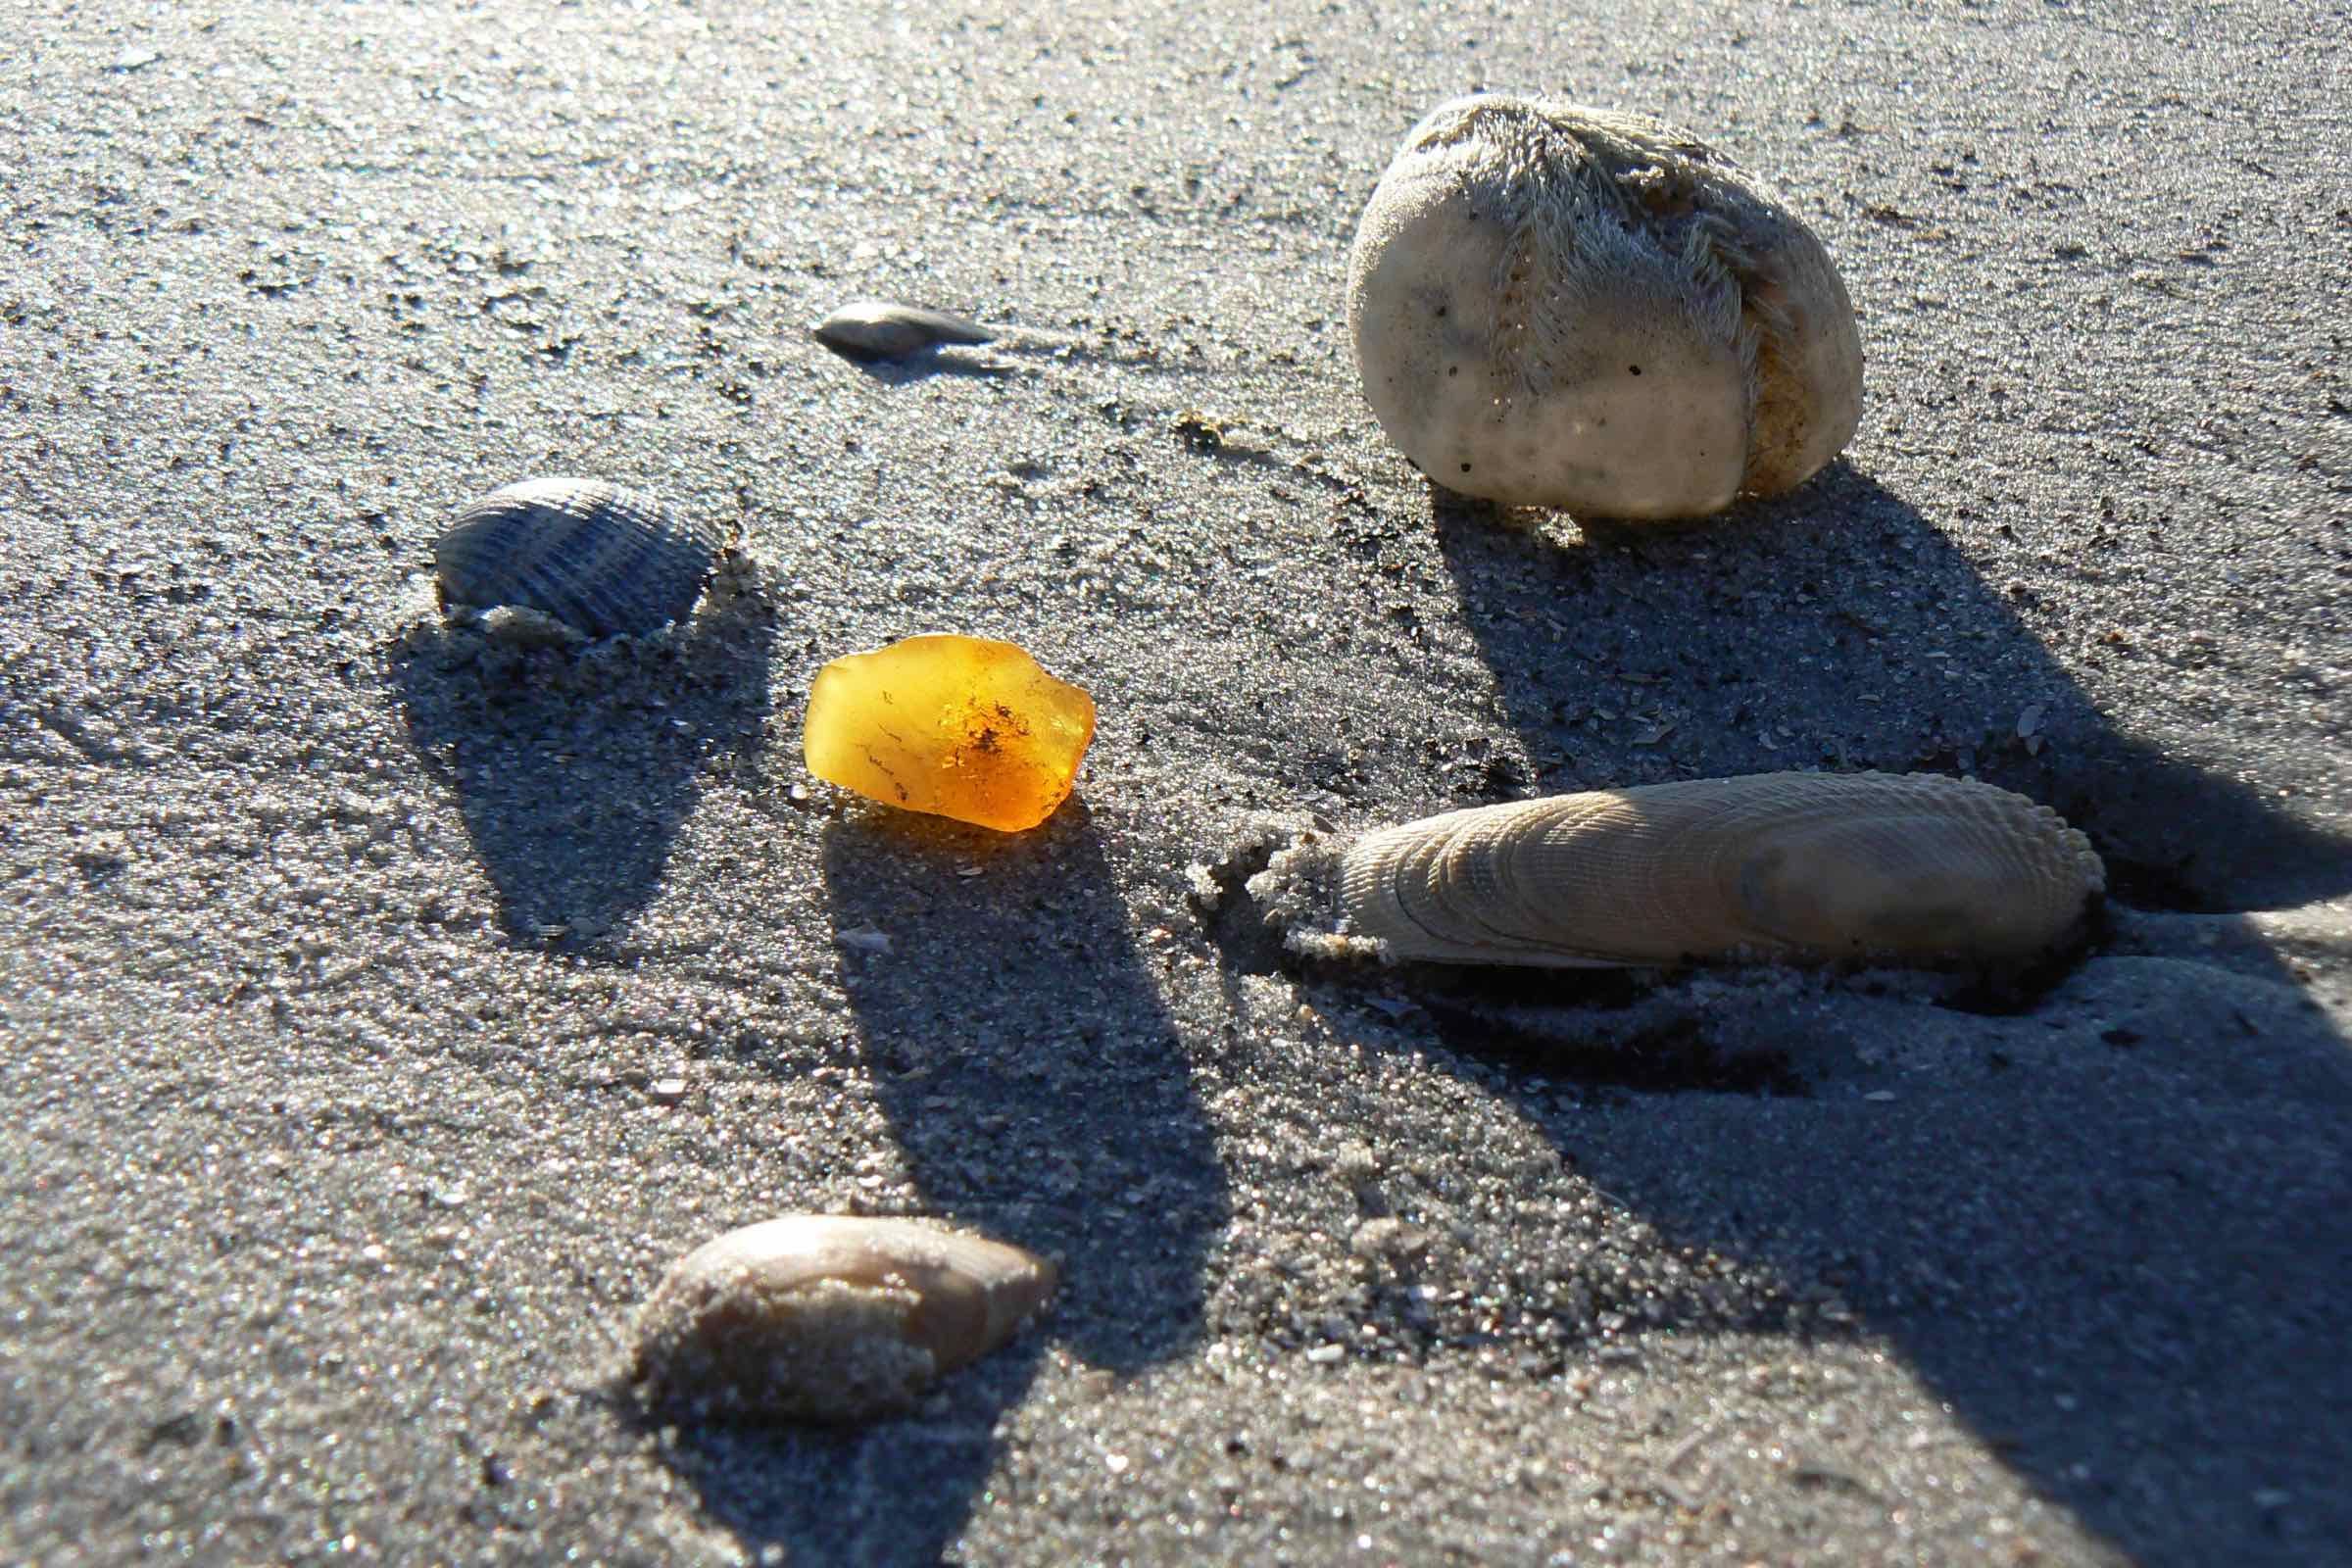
<point>830,1318</point>
<point>1916,869</point>
<point>882,329</point>
<point>594,555</point>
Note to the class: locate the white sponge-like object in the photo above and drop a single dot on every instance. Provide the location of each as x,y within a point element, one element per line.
<point>1561,307</point>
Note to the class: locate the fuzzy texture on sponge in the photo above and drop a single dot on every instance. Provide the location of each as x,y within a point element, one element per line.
<point>1555,306</point>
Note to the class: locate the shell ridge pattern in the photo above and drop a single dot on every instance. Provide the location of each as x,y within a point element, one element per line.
<point>1423,888</point>
<point>1578,873</point>
<point>1485,903</point>
<point>1627,857</point>
<point>1393,882</point>
<point>599,557</point>
<point>1478,891</point>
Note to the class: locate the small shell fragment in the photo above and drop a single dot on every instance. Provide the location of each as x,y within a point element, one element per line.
<point>1791,867</point>
<point>830,1318</point>
<point>882,329</point>
<point>593,556</point>
<point>966,727</point>
<point>1562,307</point>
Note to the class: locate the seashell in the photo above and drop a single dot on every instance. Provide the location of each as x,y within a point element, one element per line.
<point>1803,866</point>
<point>831,1318</point>
<point>966,728</point>
<point>1562,307</point>
<point>594,555</point>
<point>882,329</point>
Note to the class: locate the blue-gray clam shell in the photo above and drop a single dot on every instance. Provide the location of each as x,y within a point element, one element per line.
<point>595,556</point>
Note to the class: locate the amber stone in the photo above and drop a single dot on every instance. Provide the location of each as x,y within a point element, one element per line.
<point>957,727</point>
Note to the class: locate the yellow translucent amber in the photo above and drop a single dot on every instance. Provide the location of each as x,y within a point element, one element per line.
<point>956,726</point>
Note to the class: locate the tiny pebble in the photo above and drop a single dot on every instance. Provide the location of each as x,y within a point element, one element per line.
<point>1325,1354</point>
<point>1880,1095</point>
<point>667,1091</point>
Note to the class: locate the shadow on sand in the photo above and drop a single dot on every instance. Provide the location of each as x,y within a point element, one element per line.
<point>2115,1232</point>
<point>922,365</point>
<point>1038,1093</point>
<point>574,769</point>
<point>2119,1252</point>
<point>1837,628</point>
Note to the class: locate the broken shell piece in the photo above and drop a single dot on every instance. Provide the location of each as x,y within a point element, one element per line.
<point>881,329</point>
<point>956,726</point>
<point>832,1318</point>
<point>593,556</point>
<point>1561,307</point>
<point>1913,869</point>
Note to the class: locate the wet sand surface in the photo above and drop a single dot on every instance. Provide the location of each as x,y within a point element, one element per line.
<point>382,1008</point>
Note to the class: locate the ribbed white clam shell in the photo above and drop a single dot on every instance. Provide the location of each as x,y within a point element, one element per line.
<point>1919,868</point>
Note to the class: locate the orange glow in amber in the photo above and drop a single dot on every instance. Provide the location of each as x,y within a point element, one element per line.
<point>957,727</point>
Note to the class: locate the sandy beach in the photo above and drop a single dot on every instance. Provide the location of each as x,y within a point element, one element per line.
<point>383,1006</point>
